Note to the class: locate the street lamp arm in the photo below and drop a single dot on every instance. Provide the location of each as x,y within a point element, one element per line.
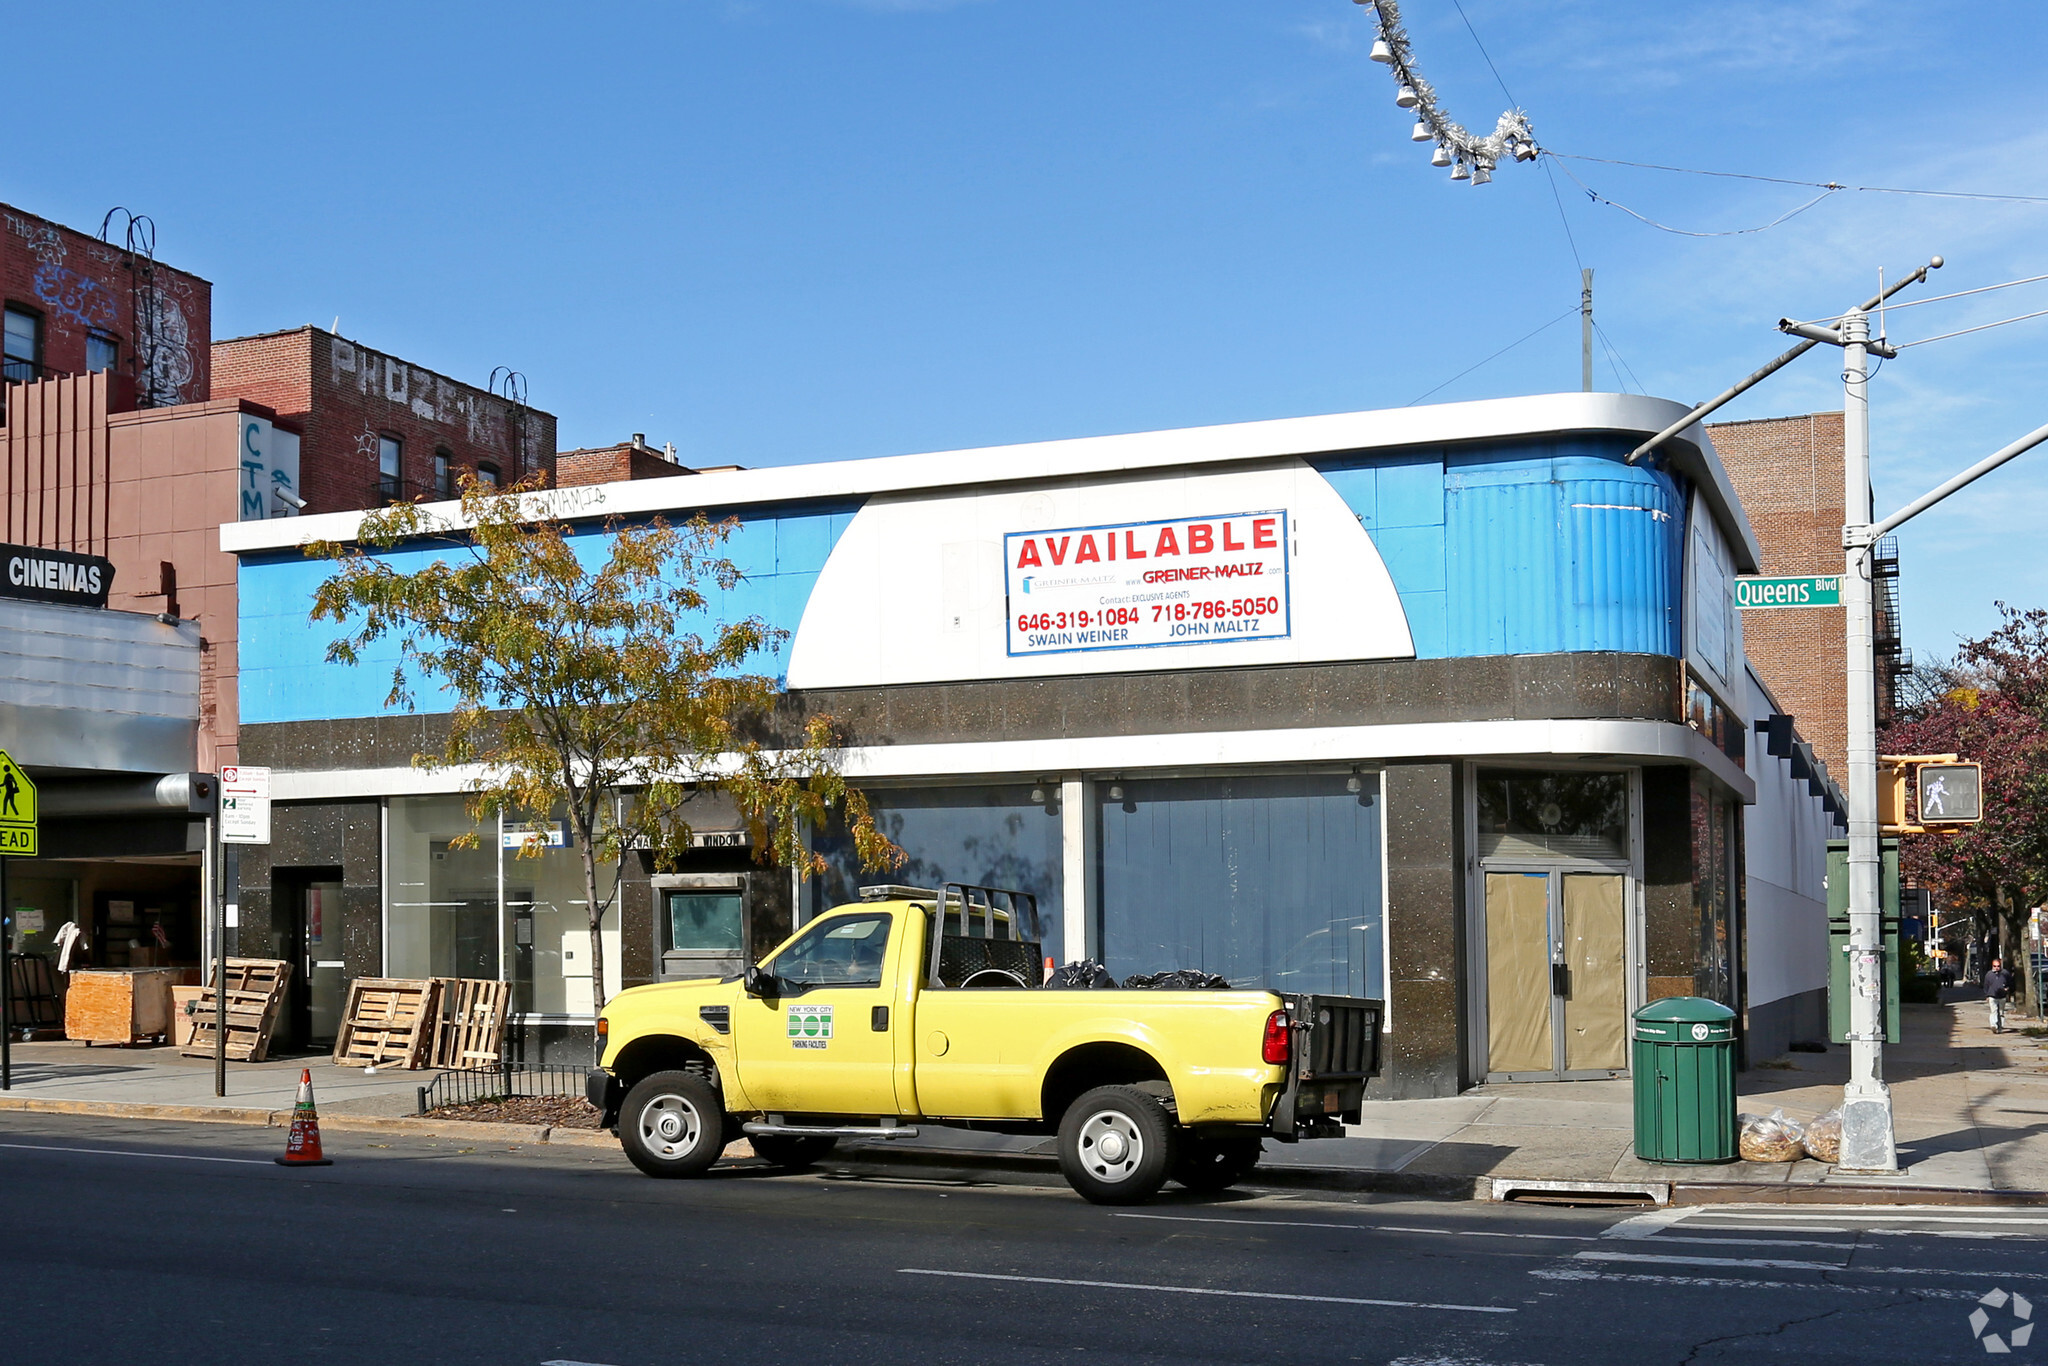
<point>1967,477</point>
<point>1780,363</point>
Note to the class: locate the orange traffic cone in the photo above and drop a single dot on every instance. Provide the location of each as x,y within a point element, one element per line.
<point>302,1149</point>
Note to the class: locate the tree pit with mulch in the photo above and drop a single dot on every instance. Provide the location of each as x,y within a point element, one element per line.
<point>562,1112</point>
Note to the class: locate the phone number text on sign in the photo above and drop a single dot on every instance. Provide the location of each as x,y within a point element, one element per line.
<point>1129,585</point>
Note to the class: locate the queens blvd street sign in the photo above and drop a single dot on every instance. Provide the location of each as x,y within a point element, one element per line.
<point>1798,590</point>
<point>17,810</point>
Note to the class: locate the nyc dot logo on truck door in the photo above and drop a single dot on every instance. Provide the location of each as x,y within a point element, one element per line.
<point>810,1026</point>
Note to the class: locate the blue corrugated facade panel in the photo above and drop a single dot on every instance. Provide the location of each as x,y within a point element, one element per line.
<point>285,676</point>
<point>1531,547</point>
<point>1535,546</point>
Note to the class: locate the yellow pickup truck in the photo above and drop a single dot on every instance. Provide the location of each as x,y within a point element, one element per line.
<point>924,1006</point>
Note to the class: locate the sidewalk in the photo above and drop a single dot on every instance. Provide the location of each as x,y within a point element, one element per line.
<point>1971,1112</point>
<point>1970,1109</point>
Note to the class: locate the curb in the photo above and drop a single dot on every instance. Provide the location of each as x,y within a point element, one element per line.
<point>1428,1184</point>
<point>190,1114</point>
<point>1732,1193</point>
<point>333,1123</point>
<point>1285,1177</point>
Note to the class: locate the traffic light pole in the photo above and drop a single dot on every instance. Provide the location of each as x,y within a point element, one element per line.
<point>1868,1140</point>
<point>1868,1143</point>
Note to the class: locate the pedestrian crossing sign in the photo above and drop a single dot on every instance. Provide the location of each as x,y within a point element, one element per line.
<point>17,810</point>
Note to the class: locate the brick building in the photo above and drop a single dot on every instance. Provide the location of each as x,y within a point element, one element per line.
<point>1788,472</point>
<point>376,428</point>
<point>78,305</point>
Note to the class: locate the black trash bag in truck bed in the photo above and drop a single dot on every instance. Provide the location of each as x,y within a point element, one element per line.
<point>1085,972</point>
<point>1180,979</point>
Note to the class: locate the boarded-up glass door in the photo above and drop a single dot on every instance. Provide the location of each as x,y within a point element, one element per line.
<point>1556,974</point>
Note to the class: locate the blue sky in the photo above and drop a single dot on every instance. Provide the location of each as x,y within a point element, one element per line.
<point>812,229</point>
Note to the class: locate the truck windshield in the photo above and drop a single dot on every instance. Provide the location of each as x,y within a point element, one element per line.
<point>845,951</point>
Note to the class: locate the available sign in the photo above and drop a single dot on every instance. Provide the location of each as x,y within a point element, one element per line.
<point>244,805</point>
<point>1798,590</point>
<point>1128,585</point>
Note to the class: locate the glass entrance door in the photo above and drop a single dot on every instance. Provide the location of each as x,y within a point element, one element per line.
<point>1556,974</point>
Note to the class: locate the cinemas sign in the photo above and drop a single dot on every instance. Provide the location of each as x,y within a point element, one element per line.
<point>1126,585</point>
<point>38,575</point>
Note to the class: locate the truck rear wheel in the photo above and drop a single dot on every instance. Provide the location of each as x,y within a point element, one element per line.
<point>1116,1145</point>
<point>672,1124</point>
<point>1215,1162</point>
<point>791,1150</point>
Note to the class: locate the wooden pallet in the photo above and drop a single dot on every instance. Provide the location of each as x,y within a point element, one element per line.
<point>255,997</point>
<point>389,1022</point>
<point>471,1033</point>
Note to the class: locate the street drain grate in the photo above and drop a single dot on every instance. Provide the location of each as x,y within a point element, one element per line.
<point>1587,1193</point>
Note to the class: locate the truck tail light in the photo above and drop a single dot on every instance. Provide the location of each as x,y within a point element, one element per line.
<point>1278,1038</point>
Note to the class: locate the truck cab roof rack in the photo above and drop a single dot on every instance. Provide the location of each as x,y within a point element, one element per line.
<point>891,891</point>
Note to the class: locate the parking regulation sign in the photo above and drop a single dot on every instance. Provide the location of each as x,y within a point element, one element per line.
<point>244,805</point>
<point>17,810</point>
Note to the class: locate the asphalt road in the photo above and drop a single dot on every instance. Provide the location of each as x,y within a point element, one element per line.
<point>123,1243</point>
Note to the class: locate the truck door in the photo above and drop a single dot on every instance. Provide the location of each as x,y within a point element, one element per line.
<point>824,1045</point>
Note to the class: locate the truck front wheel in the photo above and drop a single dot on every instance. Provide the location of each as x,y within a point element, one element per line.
<point>1116,1145</point>
<point>672,1124</point>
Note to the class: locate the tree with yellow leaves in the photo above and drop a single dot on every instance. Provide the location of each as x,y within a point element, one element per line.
<point>609,693</point>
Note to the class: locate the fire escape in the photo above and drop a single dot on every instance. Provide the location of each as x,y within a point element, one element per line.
<point>1894,660</point>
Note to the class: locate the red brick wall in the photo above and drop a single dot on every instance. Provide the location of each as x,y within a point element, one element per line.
<point>77,284</point>
<point>345,396</point>
<point>1788,473</point>
<point>610,464</point>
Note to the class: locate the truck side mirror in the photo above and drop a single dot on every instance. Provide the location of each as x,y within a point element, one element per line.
<point>757,982</point>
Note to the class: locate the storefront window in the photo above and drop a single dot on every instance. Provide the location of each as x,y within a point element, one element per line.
<point>547,931</point>
<point>1714,822</point>
<point>1525,814</point>
<point>706,921</point>
<point>994,835</point>
<point>1270,881</point>
<point>486,912</point>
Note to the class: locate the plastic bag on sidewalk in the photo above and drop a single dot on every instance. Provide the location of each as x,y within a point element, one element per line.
<point>1824,1137</point>
<point>1180,979</point>
<point>1084,972</point>
<point>1769,1138</point>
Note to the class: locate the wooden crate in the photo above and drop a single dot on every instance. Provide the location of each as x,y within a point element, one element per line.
<point>254,996</point>
<point>389,1022</point>
<point>119,1007</point>
<point>471,1033</point>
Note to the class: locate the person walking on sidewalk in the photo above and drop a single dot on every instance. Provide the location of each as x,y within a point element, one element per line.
<point>1996,985</point>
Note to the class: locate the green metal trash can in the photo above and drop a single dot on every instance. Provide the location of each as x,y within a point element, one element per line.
<point>1684,1066</point>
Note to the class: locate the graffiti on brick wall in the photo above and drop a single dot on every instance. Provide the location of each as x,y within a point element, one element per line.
<point>485,420</point>
<point>172,363</point>
<point>73,299</point>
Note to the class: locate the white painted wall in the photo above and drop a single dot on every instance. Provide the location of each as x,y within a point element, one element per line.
<point>1786,848</point>
<point>914,592</point>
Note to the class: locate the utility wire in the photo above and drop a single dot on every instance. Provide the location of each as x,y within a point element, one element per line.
<point>1494,357</point>
<point>1559,199</point>
<point>1599,198</point>
<point>1942,298</point>
<point>1615,353</point>
<point>1966,331</point>
<point>1829,185</point>
<point>1457,5</point>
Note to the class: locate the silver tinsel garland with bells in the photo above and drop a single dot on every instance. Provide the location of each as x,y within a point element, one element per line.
<point>1470,158</point>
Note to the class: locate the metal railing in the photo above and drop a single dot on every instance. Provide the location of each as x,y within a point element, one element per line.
<point>503,1082</point>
